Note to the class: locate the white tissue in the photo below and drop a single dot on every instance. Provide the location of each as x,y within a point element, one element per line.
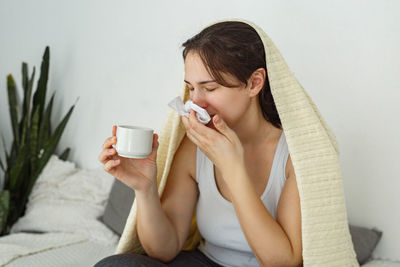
<point>184,109</point>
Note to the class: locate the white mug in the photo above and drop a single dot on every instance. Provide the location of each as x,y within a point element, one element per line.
<point>134,141</point>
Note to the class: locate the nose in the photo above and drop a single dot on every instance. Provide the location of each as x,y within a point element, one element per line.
<point>198,98</point>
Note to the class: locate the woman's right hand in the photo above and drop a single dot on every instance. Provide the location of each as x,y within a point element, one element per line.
<point>138,174</point>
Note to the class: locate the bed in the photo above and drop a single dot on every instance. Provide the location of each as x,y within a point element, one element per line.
<point>74,217</point>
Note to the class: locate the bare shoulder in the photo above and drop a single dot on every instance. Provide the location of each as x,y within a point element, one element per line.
<point>183,170</point>
<point>187,154</point>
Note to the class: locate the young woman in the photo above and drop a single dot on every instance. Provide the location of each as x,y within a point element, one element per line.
<point>235,171</point>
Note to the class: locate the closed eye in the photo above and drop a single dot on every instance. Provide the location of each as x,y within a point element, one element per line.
<point>207,89</point>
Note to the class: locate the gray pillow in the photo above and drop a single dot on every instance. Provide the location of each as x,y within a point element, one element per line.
<point>364,241</point>
<point>118,206</point>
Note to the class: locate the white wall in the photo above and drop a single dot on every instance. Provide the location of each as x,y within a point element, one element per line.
<point>123,59</point>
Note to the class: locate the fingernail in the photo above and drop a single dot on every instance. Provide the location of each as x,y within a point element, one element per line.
<point>217,120</point>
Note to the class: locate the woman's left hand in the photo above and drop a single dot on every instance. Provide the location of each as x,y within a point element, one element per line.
<point>222,147</point>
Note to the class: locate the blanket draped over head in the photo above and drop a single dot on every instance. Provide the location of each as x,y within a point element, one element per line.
<point>314,153</point>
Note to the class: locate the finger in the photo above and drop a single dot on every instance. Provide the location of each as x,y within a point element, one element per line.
<point>223,128</point>
<point>106,154</point>
<point>114,130</point>
<point>109,142</point>
<point>192,117</point>
<point>188,127</point>
<point>153,154</point>
<point>199,127</point>
<point>200,139</point>
<point>193,136</point>
<point>111,164</point>
<point>193,139</point>
<point>183,117</point>
<point>185,121</point>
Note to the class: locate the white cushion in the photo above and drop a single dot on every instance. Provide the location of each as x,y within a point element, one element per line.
<point>67,199</point>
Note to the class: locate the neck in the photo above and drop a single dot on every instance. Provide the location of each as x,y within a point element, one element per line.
<point>253,130</point>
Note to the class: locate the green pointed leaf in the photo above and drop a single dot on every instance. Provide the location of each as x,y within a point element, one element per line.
<point>16,168</point>
<point>2,166</point>
<point>47,130</point>
<point>64,155</point>
<point>29,95</point>
<point>13,106</point>
<point>25,79</point>
<point>34,148</point>
<point>4,209</point>
<point>7,161</point>
<point>26,112</point>
<point>24,134</point>
<point>25,176</point>
<point>4,147</point>
<point>6,180</point>
<point>44,129</point>
<point>50,146</point>
<point>39,97</point>
<point>25,85</point>
<point>21,130</point>
<point>13,153</point>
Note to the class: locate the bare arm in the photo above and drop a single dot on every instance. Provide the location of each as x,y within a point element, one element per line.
<point>163,225</point>
<point>274,242</point>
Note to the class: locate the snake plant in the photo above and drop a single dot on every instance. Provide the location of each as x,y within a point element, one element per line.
<point>33,142</point>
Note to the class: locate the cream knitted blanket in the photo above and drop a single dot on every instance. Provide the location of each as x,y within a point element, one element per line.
<point>314,152</point>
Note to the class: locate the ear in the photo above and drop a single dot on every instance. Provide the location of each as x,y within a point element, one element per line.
<point>256,81</point>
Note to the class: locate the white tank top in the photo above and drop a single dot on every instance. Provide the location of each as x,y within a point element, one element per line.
<point>217,222</point>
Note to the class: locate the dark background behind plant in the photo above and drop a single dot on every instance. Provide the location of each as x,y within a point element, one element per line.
<point>33,143</point>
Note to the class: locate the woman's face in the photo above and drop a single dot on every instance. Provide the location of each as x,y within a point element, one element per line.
<point>229,103</point>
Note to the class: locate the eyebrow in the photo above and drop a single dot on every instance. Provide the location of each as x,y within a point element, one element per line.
<point>203,82</point>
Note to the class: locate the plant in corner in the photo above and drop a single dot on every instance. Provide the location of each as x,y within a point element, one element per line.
<point>33,144</point>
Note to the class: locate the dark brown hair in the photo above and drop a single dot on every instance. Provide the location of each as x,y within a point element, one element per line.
<point>235,48</point>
